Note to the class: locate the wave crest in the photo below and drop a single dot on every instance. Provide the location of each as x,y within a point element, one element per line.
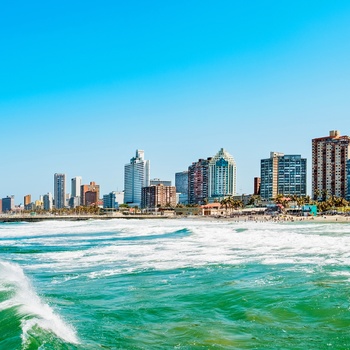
<point>34,311</point>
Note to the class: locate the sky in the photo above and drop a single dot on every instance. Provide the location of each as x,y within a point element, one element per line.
<point>84,84</point>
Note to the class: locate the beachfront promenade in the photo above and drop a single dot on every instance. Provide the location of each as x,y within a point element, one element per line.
<point>8,218</point>
<point>80,217</point>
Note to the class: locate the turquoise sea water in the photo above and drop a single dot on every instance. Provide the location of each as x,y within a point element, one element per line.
<point>174,284</point>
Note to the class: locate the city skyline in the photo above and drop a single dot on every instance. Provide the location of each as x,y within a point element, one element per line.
<point>68,188</point>
<point>82,89</point>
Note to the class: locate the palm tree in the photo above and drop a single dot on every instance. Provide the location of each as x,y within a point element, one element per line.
<point>278,199</point>
<point>323,206</point>
<point>225,203</point>
<point>340,202</point>
<point>254,199</point>
<point>300,201</point>
<point>307,199</point>
<point>294,197</point>
<point>237,204</point>
<point>324,194</point>
<point>316,194</point>
<point>233,204</point>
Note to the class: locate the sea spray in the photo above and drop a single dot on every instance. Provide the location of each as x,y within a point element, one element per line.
<point>34,311</point>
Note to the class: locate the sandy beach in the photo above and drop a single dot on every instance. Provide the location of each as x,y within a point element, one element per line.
<point>280,218</point>
<point>242,217</point>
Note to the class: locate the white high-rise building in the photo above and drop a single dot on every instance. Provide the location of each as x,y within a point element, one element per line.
<point>222,175</point>
<point>136,176</point>
<point>60,190</point>
<point>74,199</point>
<point>76,184</point>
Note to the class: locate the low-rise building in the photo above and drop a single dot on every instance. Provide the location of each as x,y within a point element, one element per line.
<point>158,196</point>
<point>8,204</point>
<point>92,197</point>
<point>109,201</point>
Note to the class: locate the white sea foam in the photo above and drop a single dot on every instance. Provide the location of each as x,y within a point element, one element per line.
<point>208,242</point>
<point>28,303</point>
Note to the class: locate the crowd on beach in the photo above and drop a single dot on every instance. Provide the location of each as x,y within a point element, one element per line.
<point>287,218</point>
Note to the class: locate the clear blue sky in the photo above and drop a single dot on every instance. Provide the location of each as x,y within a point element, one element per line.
<point>84,84</point>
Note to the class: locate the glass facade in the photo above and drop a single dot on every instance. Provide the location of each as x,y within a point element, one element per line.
<point>181,182</point>
<point>283,174</point>
<point>222,175</point>
<point>60,190</point>
<point>136,176</point>
<point>292,175</point>
<point>266,185</point>
<point>109,201</point>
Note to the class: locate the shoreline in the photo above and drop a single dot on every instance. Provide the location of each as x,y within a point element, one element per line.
<point>284,218</point>
<point>38,218</point>
<point>239,218</point>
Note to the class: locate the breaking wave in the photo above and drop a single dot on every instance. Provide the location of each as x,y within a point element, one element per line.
<point>20,300</point>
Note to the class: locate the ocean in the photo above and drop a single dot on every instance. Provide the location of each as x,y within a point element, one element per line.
<point>174,284</point>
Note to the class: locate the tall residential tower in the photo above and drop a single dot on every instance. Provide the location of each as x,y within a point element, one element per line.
<point>330,157</point>
<point>136,176</point>
<point>74,200</point>
<point>198,175</point>
<point>282,174</point>
<point>75,186</point>
<point>222,175</point>
<point>212,179</point>
<point>60,190</point>
<point>181,184</point>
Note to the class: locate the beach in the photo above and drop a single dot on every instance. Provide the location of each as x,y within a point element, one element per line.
<point>230,217</point>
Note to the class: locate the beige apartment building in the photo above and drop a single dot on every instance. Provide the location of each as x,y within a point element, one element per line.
<point>330,155</point>
<point>158,196</point>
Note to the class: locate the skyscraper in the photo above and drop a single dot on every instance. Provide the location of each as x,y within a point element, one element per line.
<point>59,190</point>
<point>212,178</point>
<point>75,186</point>
<point>198,175</point>
<point>181,182</point>
<point>136,176</point>
<point>330,156</point>
<point>74,200</point>
<point>222,175</point>
<point>283,174</point>
<point>47,201</point>
<point>181,185</point>
<point>292,175</point>
<point>27,202</point>
<point>269,175</point>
